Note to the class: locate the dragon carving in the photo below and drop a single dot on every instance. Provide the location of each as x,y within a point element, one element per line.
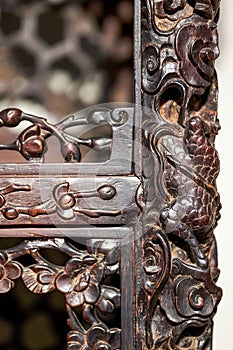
<point>181,164</point>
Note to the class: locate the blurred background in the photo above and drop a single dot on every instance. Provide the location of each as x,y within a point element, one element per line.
<point>64,54</point>
<point>58,57</point>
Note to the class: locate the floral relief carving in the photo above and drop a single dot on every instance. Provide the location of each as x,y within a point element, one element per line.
<point>31,142</point>
<point>81,281</point>
<point>176,263</point>
<point>9,271</point>
<point>63,201</point>
<point>97,337</point>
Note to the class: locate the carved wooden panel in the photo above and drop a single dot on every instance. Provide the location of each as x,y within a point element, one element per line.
<point>93,281</point>
<point>180,165</point>
<point>141,270</point>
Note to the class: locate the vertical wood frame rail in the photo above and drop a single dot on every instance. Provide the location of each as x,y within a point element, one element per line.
<point>149,220</point>
<point>179,45</point>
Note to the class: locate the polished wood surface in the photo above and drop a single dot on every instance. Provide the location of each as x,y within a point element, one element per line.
<point>137,229</point>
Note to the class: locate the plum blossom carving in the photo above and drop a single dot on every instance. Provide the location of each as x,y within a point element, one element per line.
<point>9,271</point>
<point>31,142</point>
<point>10,117</point>
<point>65,201</point>
<point>109,300</point>
<point>80,280</point>
<point>97,337</point>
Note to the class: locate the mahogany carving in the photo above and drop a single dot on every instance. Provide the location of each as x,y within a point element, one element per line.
<point>64,202</point>
<point>31,142</point>
<point>83,281</point>
<point>179,94</point>
<point>154,203</point>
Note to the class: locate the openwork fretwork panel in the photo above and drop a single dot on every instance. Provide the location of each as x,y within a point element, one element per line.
<point>87,272</point>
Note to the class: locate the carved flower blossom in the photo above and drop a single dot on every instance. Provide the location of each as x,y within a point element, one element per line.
<point>80,280</point>
<point>96,338</point>
<point>31,142</point>
<point>65,201</point>
<point>8,271</point>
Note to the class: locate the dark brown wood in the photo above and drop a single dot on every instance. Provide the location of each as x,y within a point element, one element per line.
<point>77,201</point>
<point>179,111</point>
<point>50,204</point>
<point>136,230</point>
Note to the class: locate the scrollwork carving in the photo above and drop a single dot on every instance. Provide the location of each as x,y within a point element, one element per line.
<point>182,205</point>
<point>167,13</point>
<point>176,258</point>
<point>197,49</point>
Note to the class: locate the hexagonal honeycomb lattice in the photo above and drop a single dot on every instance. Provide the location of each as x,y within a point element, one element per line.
<point>60,56</point>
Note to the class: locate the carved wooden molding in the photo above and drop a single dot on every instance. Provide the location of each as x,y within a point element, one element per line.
<point>147,215</point>
<point>179,98</point>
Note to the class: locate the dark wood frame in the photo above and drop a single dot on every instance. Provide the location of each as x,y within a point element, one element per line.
<point>161,204</point>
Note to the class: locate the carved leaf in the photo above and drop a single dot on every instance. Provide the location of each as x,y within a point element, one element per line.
<point>39,279</point>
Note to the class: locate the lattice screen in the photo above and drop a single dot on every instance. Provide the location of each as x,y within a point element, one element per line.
<point>57,57</point>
